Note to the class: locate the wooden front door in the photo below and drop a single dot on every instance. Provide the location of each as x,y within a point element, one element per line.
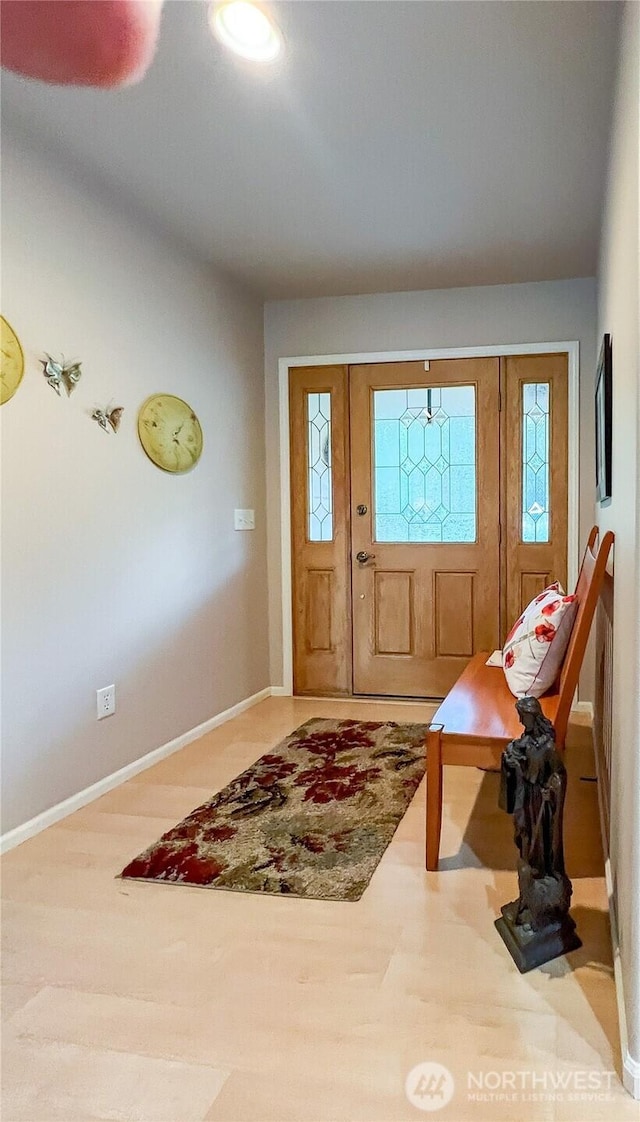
<point>425,528</point>
<point>428,503</point>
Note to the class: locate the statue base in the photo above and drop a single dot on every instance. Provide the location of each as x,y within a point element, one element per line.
<point>530,948</point>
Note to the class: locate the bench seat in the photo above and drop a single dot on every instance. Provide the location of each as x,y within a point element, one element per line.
<point>480,709</point>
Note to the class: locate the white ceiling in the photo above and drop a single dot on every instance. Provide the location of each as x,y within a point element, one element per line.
<point>398,145</point>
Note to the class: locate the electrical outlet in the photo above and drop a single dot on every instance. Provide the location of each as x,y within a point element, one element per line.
<point>106,701</point>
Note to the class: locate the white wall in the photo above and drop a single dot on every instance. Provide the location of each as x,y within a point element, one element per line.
<point>112,570</point>
<point>618,313</point>
<point>462,317</point>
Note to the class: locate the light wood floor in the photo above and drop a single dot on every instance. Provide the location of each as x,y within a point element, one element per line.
<point>135,1001</point>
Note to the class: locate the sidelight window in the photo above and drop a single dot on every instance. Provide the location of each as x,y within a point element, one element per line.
<point>319,496</point>
<point>535,461</point>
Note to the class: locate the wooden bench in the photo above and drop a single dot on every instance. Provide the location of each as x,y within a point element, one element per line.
<point>477,718</point>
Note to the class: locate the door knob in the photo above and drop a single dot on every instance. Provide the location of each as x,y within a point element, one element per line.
<point>363,556</point>
<point>361,509</point>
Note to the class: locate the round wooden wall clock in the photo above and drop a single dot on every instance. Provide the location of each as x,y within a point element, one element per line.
<point>170,432</point>
<point>12,367</point>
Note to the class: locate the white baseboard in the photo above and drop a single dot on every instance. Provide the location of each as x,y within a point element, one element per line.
<point>75,802</point>
<point>280,691</point>
<point>583,707</point>
<point>630,1067</point>
<point>631,1075</point>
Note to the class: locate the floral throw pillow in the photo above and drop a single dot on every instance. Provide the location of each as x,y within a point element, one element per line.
<point>535,647</point>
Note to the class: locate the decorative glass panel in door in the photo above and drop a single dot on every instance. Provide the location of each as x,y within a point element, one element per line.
<point>535,462</point>
<point>424,450</point>
<point>319,467</point>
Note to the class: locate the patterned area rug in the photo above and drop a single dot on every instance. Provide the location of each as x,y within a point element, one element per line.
<point>312,818</point>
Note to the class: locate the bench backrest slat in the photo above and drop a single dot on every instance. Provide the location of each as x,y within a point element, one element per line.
<point>588,588</point>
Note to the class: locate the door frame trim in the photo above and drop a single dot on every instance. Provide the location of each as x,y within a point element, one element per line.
<point>571,349</point>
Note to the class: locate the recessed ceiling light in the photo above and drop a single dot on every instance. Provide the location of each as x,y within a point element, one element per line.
<point>246,29</point>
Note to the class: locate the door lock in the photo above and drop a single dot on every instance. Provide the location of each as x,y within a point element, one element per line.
<point>361,509</point>
<point>363,556</point>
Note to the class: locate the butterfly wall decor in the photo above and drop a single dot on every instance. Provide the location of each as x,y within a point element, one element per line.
<point>61,373</point>
<point>108,419</point>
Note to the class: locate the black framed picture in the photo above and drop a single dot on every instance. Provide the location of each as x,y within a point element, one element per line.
<point>604,401</point>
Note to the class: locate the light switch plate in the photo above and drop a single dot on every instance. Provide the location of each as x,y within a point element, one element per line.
<point>244,519</point>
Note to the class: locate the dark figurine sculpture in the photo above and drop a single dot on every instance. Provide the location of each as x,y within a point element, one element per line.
<point>537,926</point>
